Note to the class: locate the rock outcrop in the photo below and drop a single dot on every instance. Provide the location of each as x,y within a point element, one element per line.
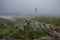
<point>33,25</point>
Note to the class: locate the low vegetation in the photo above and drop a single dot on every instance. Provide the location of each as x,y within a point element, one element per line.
<point>27,34</point>
<point>49,20</point>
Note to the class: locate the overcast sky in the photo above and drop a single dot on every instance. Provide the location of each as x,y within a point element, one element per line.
<point>24,7</point>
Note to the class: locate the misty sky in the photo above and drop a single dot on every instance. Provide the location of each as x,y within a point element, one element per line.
<point>24,7</point>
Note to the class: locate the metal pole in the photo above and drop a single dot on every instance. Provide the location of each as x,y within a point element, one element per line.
<point>35,11</point>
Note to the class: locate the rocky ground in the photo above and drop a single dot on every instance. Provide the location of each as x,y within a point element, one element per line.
<point>40,38</point>
<point>52,32</point>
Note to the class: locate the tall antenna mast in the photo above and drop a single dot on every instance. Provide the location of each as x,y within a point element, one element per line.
<point>35,11</point>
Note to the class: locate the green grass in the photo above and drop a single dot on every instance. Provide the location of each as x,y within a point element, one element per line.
<point>27,33</point>
<point>48,20</point>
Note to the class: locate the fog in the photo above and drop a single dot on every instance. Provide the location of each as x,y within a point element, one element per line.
<point>27,7</point>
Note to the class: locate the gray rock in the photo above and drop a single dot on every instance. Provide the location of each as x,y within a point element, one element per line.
<point>34,25</point>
